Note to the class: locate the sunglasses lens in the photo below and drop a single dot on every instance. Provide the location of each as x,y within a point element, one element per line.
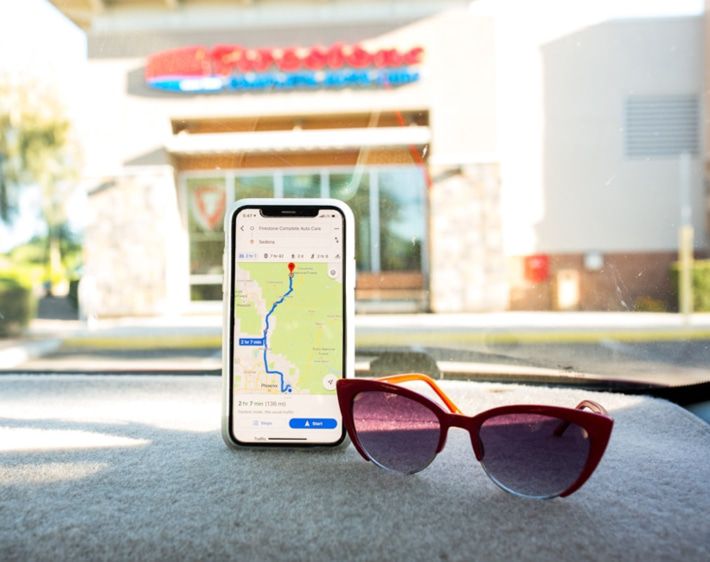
<point>396,432</point>
<point>528,455</point>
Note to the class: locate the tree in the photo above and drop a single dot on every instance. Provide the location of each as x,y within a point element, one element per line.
<point>36,149</point>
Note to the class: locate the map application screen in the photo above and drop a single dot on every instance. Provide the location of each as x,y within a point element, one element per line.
<point>288,327</point>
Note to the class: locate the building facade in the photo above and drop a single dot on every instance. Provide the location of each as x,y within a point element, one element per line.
<point>489,165</point>
<point>606,145</point>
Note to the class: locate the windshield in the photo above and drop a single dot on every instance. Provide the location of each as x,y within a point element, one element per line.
<point>529,193</point>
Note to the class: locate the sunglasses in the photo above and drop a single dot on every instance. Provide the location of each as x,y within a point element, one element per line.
<point>528,450</point>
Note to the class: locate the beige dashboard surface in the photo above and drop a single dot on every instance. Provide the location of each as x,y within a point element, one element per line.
<point>134,468</point>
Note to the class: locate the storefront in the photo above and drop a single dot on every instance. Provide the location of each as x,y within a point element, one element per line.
<point>374,123</point>
<point>490,165</point>
<point>383,184</point>
<point>388,201</point>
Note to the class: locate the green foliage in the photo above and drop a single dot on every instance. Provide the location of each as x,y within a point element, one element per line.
<point>37,249</point>
<point>28,275</point>
<point>26,265</point>
<point>35,148</point>
<point>17,306</point>
<point>650,304</point>
<point>701,284</point>
<point>71,249</point>
<point>73,295</point>
<point>33,252</point>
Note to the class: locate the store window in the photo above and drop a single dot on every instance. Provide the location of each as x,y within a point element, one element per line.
<point>252,186</point>
<point>388,202</point>
<point>354,189</point>
<point>206,204</point>
<point>302,184</point>
<point>402,219</point>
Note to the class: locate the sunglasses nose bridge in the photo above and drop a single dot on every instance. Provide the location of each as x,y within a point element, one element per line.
<point>458,420</point>
<point>467,424</point>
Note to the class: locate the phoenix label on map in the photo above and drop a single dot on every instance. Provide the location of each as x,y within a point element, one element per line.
<point>289,284</point>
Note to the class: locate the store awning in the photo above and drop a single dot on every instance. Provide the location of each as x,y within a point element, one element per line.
<point>299,140</point>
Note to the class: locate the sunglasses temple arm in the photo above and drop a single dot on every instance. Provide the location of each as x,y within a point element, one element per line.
<point>589,405</point>
<point>408,377</point>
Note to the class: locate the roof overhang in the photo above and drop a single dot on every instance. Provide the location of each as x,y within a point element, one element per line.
<point>298,140</point>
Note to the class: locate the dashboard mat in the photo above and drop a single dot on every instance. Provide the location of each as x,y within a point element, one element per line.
<point>134,467</point>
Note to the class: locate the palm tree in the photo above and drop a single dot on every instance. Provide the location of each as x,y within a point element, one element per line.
<point>36,148</point>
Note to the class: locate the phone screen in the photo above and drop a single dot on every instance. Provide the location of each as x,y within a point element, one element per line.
<point>288,346</point>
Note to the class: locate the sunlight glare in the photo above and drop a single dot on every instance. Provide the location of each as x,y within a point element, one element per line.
<point>14,439</point>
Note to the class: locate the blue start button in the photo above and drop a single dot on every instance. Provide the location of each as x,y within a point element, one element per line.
<point>312,423</point>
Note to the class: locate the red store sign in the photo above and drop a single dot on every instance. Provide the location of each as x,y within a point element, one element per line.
<point>232,67</point>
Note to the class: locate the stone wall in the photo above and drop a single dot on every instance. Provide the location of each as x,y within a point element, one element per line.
<point>135,247</point>
<point>468,267</point>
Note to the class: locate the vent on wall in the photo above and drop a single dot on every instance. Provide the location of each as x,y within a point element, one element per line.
<point>661,126</point>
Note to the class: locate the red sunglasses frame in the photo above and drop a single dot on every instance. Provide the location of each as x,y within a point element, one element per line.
<point>597,423</point>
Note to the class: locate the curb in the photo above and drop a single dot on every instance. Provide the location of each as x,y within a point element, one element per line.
<point>458,336</point>
<point>143,342</point>
<point>370,338</point>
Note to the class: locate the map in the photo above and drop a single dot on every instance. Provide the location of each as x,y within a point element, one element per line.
<point>289,328</point>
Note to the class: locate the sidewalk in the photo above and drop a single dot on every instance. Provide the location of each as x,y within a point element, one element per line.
<point>498,327</point>
<point>531,327</point>
<point>542,338</point>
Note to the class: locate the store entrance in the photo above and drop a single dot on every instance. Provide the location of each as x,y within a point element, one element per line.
<point>375,162</point>
<point>389,204</point>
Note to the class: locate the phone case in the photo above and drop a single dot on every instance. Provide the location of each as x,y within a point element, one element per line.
<point>349,316</point>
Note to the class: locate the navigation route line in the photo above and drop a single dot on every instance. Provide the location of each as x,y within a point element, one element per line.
<point>282,386</point>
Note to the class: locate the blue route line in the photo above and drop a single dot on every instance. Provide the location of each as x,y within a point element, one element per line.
<point>283,387</point>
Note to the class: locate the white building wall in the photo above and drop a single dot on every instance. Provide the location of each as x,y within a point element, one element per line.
<point>567,184</point>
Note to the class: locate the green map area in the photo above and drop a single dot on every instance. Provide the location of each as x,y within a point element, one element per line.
<point>305,325</point>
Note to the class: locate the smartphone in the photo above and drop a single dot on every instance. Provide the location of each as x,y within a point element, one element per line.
<point>289,284</point>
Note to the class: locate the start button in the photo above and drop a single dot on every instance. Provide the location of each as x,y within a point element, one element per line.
<point>312,423</point>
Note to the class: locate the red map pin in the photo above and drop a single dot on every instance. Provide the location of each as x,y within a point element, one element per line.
<point>291,266</point>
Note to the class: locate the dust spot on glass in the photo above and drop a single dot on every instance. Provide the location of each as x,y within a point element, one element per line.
<point>498,390</point>
<point>619,286</point>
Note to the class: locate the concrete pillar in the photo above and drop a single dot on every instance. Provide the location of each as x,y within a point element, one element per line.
<point>135,247</point>
<point>468,268</point>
